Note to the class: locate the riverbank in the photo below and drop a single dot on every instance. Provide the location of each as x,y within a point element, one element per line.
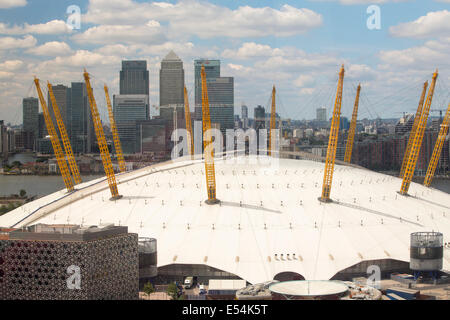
<point>35,185</point>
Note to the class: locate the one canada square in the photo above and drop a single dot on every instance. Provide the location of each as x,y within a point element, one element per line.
<point>171,81</point>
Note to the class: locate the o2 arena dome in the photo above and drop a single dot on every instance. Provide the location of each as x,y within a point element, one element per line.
<point>269,223</point>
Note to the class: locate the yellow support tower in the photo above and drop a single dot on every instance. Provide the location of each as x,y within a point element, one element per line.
<point>106,159</point>
<point>187,115</point>
<point>332,144</point>
<point>412,134</point>
<point>115,133</point>
<point>62,164</point>
<point>417,143</point>
<point>351,132</point>
<point>273,123</point>
<point>207,141</point>
<point>438,149</point>
<point>64,137</point>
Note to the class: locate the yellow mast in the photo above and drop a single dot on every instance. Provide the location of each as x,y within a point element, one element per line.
<point>62,164</point>
<point>438,149</point>
<point>115,133</point>
<point>412,134</point>
<point>187,115</point>
<point>332,144</point>
<point>106,159</point>
<point>417,143</point>
<point>64,137</point>
<point>352,131</point>
<point>273,123</point>
<point>207,142</point>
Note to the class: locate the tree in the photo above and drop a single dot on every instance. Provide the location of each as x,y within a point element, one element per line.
<point>16,164</point>
<point>148,288</point>
<point>172,291</point>
<point>22,193</point>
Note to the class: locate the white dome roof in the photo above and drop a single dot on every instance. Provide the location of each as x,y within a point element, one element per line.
<point>266,217</point>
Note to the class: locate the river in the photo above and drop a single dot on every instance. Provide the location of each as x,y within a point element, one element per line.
<point>45,185</point>
<point>34,185</point>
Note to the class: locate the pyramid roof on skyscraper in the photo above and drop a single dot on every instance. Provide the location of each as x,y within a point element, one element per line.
<point>172,56</point>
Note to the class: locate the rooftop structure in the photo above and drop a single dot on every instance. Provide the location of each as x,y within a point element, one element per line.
<point>269,221</point>
<point>69,262</point>
<point>293,290</point>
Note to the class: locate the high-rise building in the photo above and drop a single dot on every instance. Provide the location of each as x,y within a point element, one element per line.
<point>128,109</point>
<point>154,138</point>
<point>405,124</point>
<point>80,126</point>
<point>321,114</point>
<point>61,93</point>
<point>260,118</point>
<point>245,122</point>
<point>31,121</point>
<point>171,81</point>
<point>134,78</point>
<point>220,95</point>
<point>212,70</point>
<point>244,109</point>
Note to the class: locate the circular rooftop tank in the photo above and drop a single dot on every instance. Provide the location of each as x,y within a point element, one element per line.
<point>308,290</point>
<point>427,251</point>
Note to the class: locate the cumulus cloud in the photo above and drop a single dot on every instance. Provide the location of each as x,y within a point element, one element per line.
<point>53,48</point>
<point>304,80</point>
<point>49,28</point>
<point>251,50</point>
<point>431,54</point>
<point>433,24</point>
<point>352,2</point>
<point>7,43</point>
<point>128,34</point>
<point>11,65</point>
<point>204,19</point>
<point>6,4</point>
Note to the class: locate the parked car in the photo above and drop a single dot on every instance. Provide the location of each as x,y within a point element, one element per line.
<point>202,289</point>
<point>188,282</point>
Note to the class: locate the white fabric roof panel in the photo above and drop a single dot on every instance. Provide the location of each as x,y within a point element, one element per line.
<point>263,213</point>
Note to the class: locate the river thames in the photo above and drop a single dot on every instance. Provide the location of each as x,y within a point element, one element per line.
<point>45,185</point>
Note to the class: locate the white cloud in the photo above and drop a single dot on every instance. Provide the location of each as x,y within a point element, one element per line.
<point>304,80</point>
<point>6,4</point>
<point>129,34</point>
<point>7,43</point>
<point>251,50</point>
<point>433,24</point>
<point>431,54</point>
<point>353,2</point>
<point>11,65</point>
<point>6,75</point>
<point>51,28</point>
<point>53,48</point>
<point>204,19</point>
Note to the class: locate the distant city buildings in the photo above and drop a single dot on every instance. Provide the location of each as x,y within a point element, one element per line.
<point>321,114</point>
<point>134,78</point>
<point>171,81</point>
<point>79,126</point>
<point>405,124</point>
<point>220,94</point>
<point>133,103</point>
<point>31,120</point>
<point>128,109</point>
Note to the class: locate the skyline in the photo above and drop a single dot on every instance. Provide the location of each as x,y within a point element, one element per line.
<point>300,50</point>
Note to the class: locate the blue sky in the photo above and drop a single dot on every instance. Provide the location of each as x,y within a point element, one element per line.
<point>296,45</point>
